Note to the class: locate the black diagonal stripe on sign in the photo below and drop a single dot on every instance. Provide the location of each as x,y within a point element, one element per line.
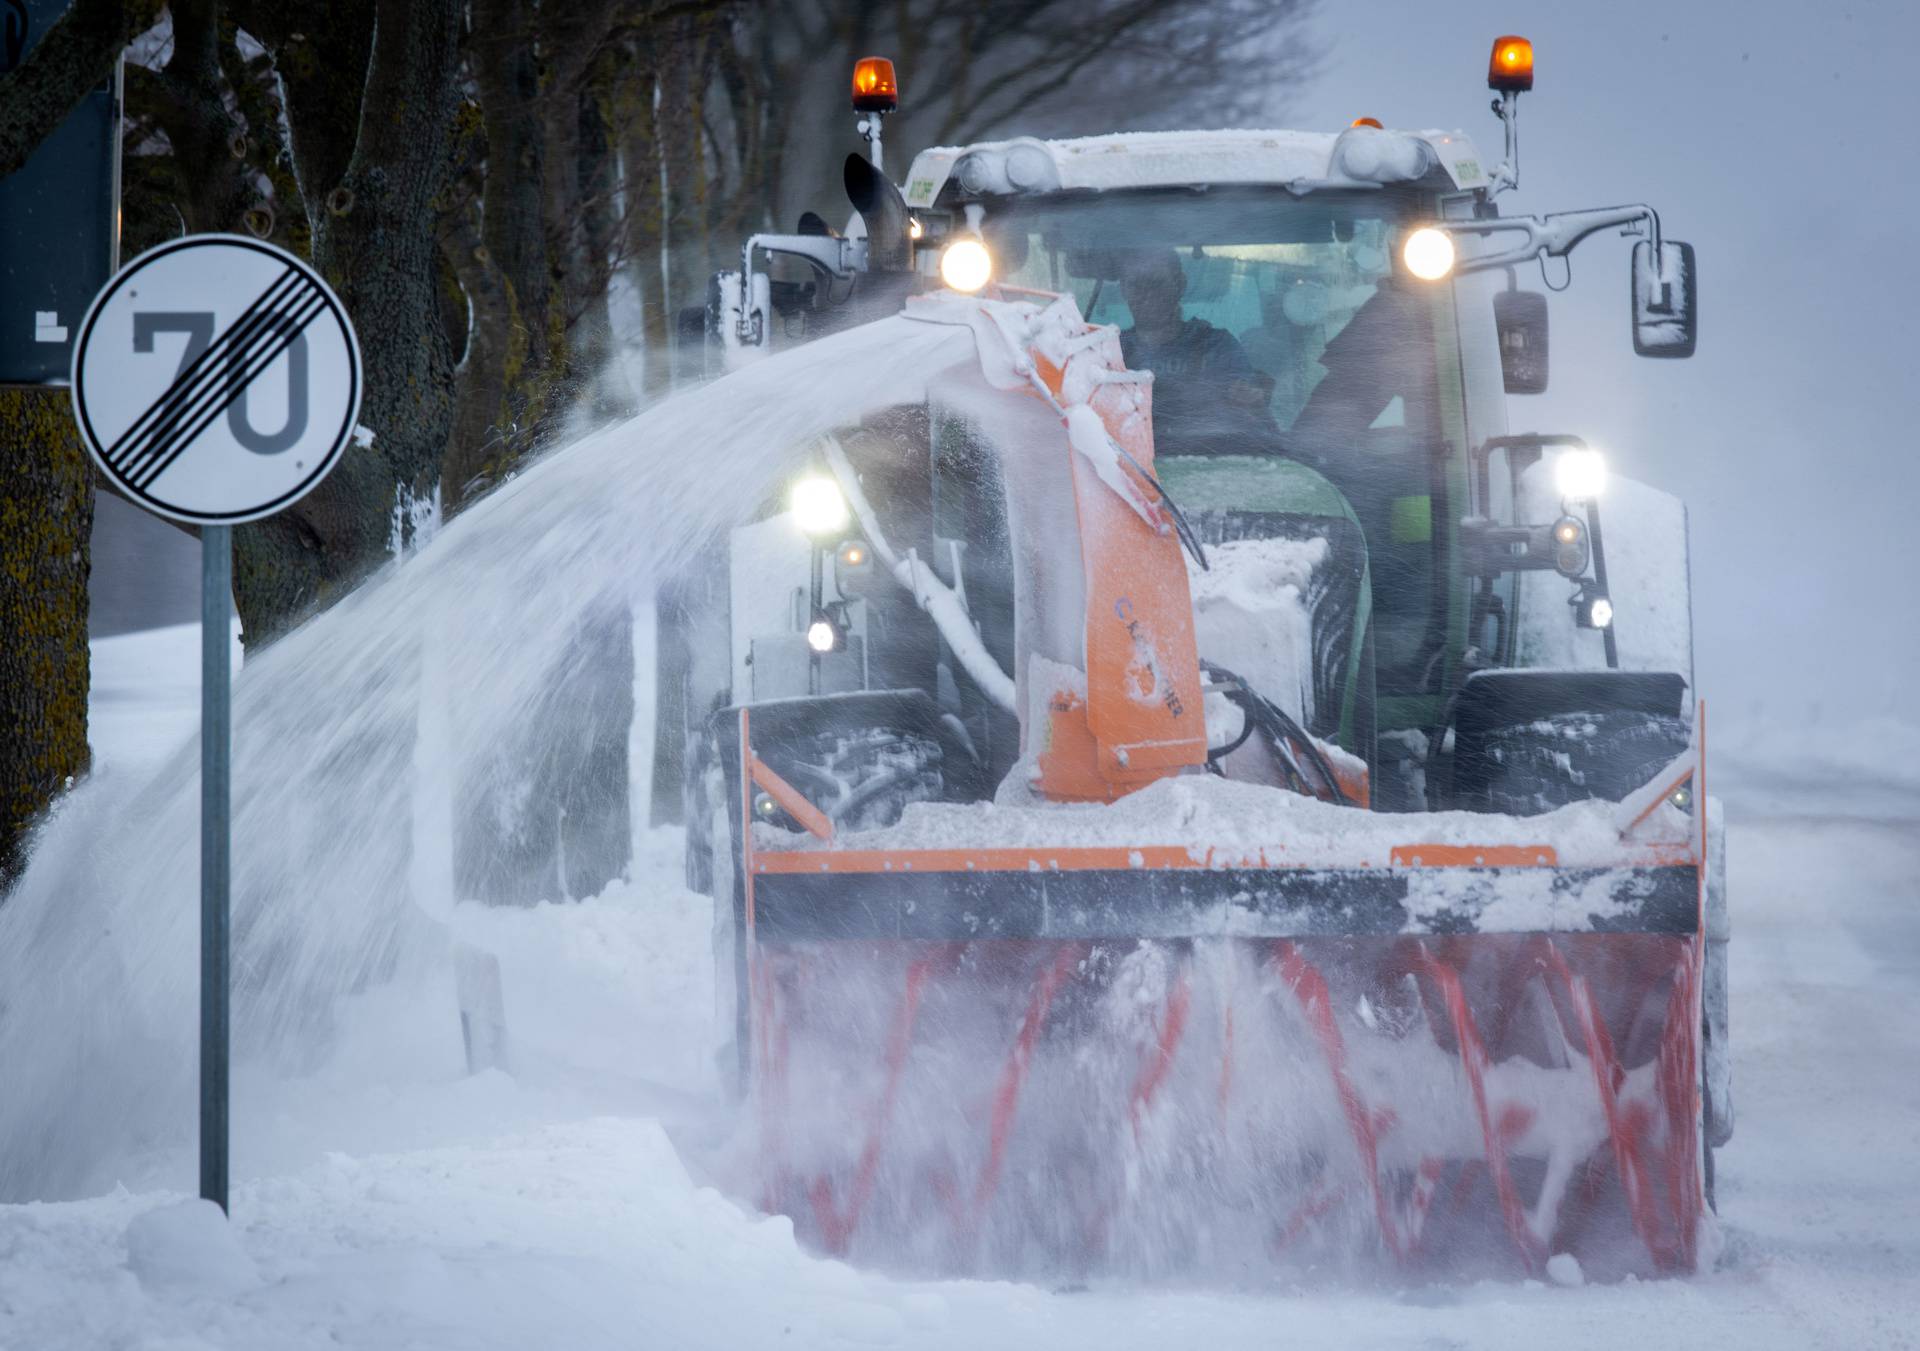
<point>136,442</point>
<point>244,367</point>
<point>253,363</point>
<point>192,417</point>
<point>210,377</point>
<point>137,439</point>
<point>256,360</point>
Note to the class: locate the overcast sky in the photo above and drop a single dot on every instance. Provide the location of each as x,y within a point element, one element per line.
<point>1779,140</point>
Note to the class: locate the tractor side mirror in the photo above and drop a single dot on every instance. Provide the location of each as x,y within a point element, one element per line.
<point>1666,300</point>
<point>1520,318</point>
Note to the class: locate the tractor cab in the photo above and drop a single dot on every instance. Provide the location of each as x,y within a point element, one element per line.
<point>1297,396</point>
<point>1333,324</point>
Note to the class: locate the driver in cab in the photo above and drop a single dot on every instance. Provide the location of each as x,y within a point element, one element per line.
<point>1208,399</point>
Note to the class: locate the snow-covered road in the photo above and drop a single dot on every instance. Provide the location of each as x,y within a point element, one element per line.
<point>397,1203</point>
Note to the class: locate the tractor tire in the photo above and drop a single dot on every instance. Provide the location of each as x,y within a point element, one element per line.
<point>1573,757</point>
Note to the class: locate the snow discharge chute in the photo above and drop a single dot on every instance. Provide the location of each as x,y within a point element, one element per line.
<point>1133,1017</point>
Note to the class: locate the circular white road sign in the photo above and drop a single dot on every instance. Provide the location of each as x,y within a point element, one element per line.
<point>216,379</point>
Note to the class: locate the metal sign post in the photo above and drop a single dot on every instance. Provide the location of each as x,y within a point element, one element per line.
<point>216,380</point>
<point>216,673</point>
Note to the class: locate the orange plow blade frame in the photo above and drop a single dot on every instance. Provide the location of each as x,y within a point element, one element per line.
<point>1627,947</point>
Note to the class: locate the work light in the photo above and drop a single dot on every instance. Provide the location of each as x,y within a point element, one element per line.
<point>1581,475</point>
<point>966,265</point>
<point>819,507</point>
<point>1428,253</point>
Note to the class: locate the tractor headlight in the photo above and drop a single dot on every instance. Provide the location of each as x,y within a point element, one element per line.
<point>852,566</point>
<point>966,265</point>
<point>1570,549</point>
<point>1428,253</point>
<point>1581,475</point>
<point>819,507</point>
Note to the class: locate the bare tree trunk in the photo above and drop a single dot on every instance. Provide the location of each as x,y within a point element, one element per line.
<point>683,64</point>
<point>502,393</point>
<point>543,812</point>
<point>187,99</point>
<point>374,241</point>
<point>606,392</point>
<point>46,512</point>
<point>644,224</point>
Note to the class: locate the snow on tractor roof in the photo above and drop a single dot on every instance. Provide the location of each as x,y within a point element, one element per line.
<point>1299,160</point>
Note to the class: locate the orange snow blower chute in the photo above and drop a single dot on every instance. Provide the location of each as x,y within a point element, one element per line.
<point>1140,718</point>
<point>1209,1026</point>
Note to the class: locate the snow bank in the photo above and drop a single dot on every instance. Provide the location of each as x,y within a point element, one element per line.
<point>144,697</point>
<point>594,1234</point>
<point>482,1233</point>
<point>188,1243</point>
<point>1814,762</point>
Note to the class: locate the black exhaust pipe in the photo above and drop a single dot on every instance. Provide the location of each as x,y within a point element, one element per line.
<point>889,247</point>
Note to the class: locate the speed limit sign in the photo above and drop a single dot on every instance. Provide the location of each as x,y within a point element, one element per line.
<point>216,379</point>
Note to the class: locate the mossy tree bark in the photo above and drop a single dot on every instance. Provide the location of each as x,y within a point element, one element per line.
<point>529,231</point>
<point>371,91</point>
<point>46,512</point>
<point>496,242</point>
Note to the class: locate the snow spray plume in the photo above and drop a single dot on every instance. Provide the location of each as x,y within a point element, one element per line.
<point>98,943</point>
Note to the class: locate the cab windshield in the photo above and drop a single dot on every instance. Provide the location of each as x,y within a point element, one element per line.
<point>1278,325</point>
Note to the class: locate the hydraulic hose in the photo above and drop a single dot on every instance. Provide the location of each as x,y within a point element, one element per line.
<point>1287,735</point>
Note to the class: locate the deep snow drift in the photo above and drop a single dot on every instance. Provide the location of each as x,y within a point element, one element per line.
<point>389,1201</point>
<point>384,1197</point>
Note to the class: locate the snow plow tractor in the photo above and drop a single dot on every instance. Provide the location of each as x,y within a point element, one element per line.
<point>1195,791</point>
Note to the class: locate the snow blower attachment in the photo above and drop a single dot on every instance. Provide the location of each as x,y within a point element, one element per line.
<point>1135,1017</point>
